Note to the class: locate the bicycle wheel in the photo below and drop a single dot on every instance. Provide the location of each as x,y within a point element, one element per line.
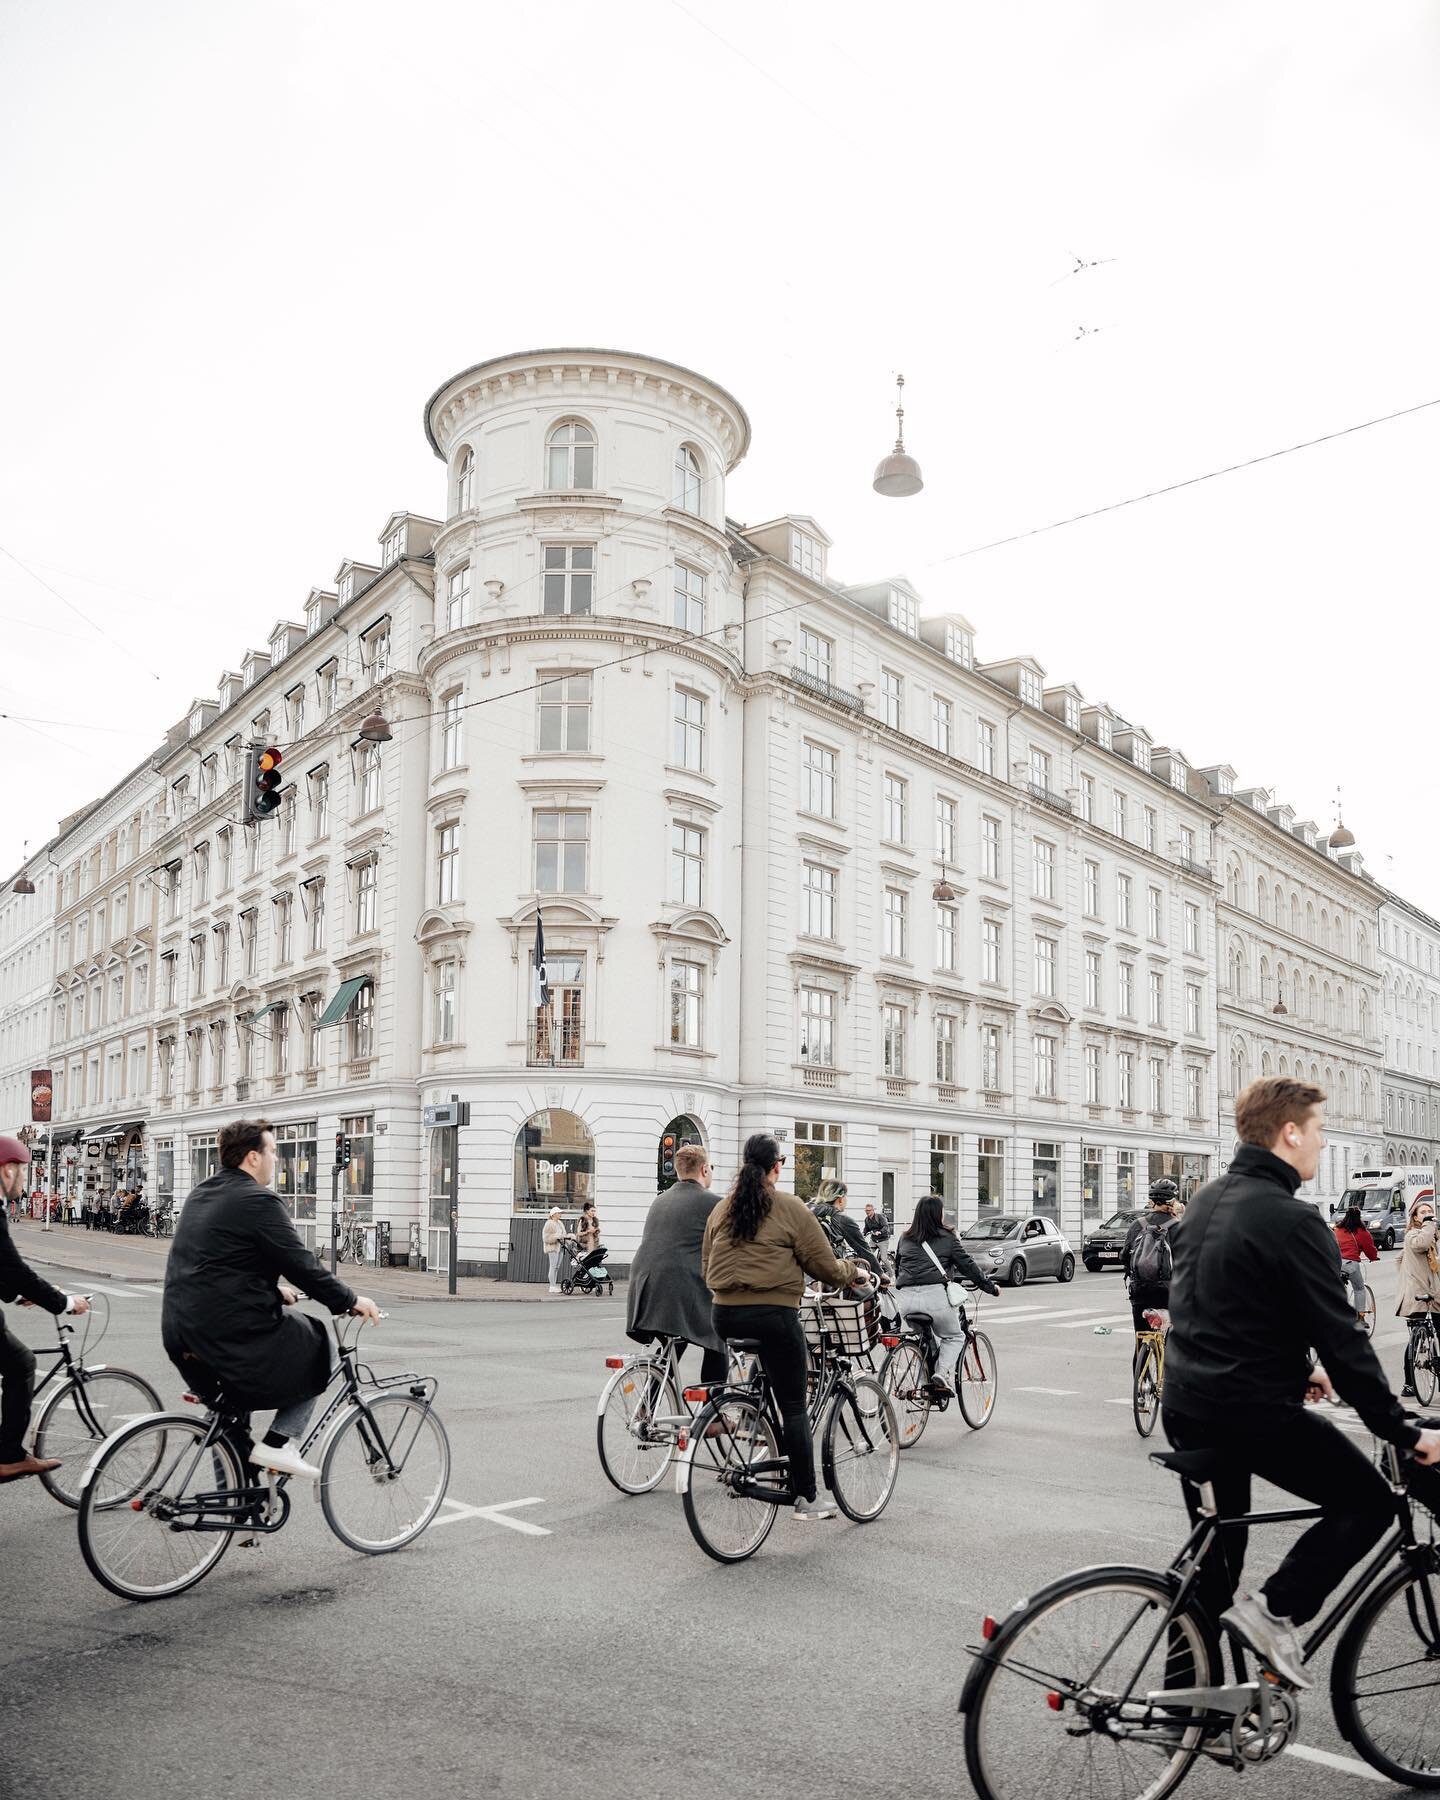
<point>1427,1373</point>
<point>80,1415</point>
<point>860,1452</point>
<point>1056,1704</point>
<point>1145,1398</point>
<point>634,1461</point>
<point>384,1473</point>
<point>1386,1679</point>
<point>906,1380</point>
<point>1368,1315</point>
<point>145,1495</point>
<point>979,1382</point>
<point>727,1525</point>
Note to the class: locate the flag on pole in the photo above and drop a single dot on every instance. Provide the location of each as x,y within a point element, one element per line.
<point>539,980</point>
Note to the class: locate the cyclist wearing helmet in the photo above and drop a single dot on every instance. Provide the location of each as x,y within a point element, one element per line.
<point>17,1360</point>
<point>1146,1258</point>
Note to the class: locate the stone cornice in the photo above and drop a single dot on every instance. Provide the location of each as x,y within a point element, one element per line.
<point>639,636</point>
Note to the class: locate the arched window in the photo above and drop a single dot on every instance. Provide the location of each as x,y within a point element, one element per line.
<point>1328,1006</point>
<point>1262,895</point>
<point>1310,922</point>
<point>1237,970</point>
<point>688,479</point>
<point>1295,914</point>
<point>1312,999</point>
<point>465,480</point>
<point>1233,884</point>
<point>1280,986</point>
<point>571,447</point>
<point>1266,1066</point>
<point>554,1162</point>
<point>1265,980</point>
<point>1284,1068</point>
<point>1362,946</point>
<point>1342,1010</point>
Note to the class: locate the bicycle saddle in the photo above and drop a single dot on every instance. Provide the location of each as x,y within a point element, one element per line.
<point>751,1344</point>
<point>921,1321</point>
<point>1193,1465</point>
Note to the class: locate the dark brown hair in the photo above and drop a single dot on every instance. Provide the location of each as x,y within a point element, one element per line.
<point>1272,1103</point>
<point>239,1138</point>
<point>748,1203</point>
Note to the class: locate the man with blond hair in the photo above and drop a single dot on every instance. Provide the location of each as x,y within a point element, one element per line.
<point>1255,1286</point>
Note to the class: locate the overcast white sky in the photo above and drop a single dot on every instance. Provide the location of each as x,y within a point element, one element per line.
<point>244,244</point>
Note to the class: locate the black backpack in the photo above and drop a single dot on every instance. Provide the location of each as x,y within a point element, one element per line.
<point>1154,1260</point>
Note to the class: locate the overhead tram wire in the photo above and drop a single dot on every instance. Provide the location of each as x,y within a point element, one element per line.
<point>64,601</point>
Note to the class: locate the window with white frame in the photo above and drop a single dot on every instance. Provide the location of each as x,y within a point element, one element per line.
<point>166,1050</point>
<point>1041,768</point>
<point>1030,692</point>
<point>1091,889</point>
<point>904,613</point>
<point>280,1041</point>
<point>817,1027</point>
<point>457,598</point>
<point>1187,843</point>
<point>1192,1008</point>
<point>1044,869</point>
<point>947,829</point>
<point>817,654</point>
<point>452,727</point>
<point>1120,814</point>
<point>568,579</point>
<point>371,790</point>
<point>1125,1080</point>
<point>375,651</point>
<point>817,793</point>
<point>895,922</point>
<point>571,458</point>
<point>687,865</point>
<point>893,808</point>
<point>393,548</point>
<point>362,1024</point>
<point>197,966</point>
<point>443,1014</point>
<point>689,730</point>
<point>942,724</point>
<point>325,687</point>
<point>447,864</point>
<point>945,1037</point>
<point>1094,1076</point>
<point>807,554</point>
<point>960,645</point>
<point>1124,902</point>
<point>1087,799</point>
<point>465,480</point>
<point>224,859</point>
<point>250,939</point>
<point>221,934</point>
<point>1157,997</point>
<point>563,705</point>
<point>945,937</point>
<point>172,905</point>
<point>1094,967</point>
<point>1194,1091</point>
<point>313,899</point>
<point>892,1040</point>
<point>1125,989</point>
<point>990,1058</point>
<point>686,487</point>
<point>1157,1084</point>
<point>892,699</point>
<point>985,746</point>
<point>689,614</point>
<point>1046,956</point>
<point>289,815</point>
<point>562,850</point>
<point>1179,774</point>
<point>367,893</point>
<point>818,889</point>
<point>344,593</point>
<point>991,966</point>
<point>1150,828</point>
<point>1045,1061</point>
<point>202,881</point>
<point>283,906</point>
<point>687,991</point>
<point>990,848</point>
<point>1140,753</point>
<point>318,782</point>
<point>1155,913</point>
<point>1192,928</point>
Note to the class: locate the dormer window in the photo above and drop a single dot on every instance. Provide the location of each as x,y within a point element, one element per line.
<point>393,548</point>
<point>1103,735</point>
<point>687,479</point>
<point>1140,753</point>
<point>312,618</point>
<point>465,480</point>
<point>1179,774</point>
<point>1225,784</point>
<point>807,554</point>
<point>197,722</point>
<point>904,613</point>
<point>960,646</point>
<point>1072,712</point>
<point>249,677</point>
<point>347,587</point>
<point>1029,687</point>
<point>571,459</point>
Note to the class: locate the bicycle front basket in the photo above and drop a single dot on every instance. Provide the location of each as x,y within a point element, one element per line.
<point>846,1327</point>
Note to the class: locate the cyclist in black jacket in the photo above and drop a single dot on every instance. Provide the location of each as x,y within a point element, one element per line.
<point>1148,1289</point>
<point>1256,1284</point>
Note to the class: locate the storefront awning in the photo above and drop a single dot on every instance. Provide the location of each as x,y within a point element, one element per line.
<point>270,1006</point>
<point>343,1000</point>
<point>112,1133</point>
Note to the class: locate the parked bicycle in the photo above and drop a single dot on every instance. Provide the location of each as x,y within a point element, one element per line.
<point>1112,1680</point>
<point>163,1497</point>
<point>350,1244</point>
<point>908,1374</point>
<point>1148,1389</point>
<point>86,1403</point>
<point>730,1472</point>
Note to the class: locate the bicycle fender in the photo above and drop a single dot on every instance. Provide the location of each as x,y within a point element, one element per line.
<point>1007,1626</point>
<point>609,1388</point>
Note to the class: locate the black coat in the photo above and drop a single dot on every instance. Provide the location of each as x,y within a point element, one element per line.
<point>1256,1286</point>
<point>913,1268</point>
<point>222,1307</point>
<point>18,1281</point>
<point>667,1294</point>
<point>847,1236</point>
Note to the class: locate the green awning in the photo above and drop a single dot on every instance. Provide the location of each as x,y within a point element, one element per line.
<point>344,999</point>
<point>269,1007</point>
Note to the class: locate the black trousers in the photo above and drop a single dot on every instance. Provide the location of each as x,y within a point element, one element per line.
<point>17,1383</point>
<point>782,1356</point>
<point>1305,1455</point>
<point>1147,1296</point>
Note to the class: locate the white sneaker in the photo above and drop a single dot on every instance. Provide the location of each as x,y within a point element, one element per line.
<point>284,1460</point>
<point>1275,1641</point>
<point>807,1511</point>
<point>554,1290</point>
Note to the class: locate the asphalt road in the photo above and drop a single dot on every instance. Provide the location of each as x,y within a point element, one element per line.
<point>580,1641</point>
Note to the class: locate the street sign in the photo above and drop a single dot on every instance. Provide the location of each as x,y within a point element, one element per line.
<point>453,1112</point>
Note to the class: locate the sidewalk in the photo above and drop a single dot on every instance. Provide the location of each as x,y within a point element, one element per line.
<point>105,1255</point>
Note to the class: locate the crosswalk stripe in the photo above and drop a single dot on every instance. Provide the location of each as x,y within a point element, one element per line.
<point>1059,1393</point>
<point>127,1293</point>
<point>1064,1312</point>
<point>1104,1319</point>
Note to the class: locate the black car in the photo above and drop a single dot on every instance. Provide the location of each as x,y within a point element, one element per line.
<point>1103,1248</point>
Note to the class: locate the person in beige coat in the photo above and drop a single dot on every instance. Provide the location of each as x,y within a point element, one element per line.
<point>552,1241</point>
<point>1417,1279</point>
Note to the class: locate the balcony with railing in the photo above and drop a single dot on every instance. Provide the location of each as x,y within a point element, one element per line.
<point>826,690</point>
<point>556,1040</point>
<point>1048,797</point>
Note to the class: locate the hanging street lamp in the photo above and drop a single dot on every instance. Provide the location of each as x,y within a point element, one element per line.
<point>898,474</point>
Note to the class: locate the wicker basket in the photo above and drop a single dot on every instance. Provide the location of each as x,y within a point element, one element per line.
<point>842,1327</point>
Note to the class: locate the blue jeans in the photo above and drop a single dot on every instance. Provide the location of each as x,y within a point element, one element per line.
<point>1354,1273</point>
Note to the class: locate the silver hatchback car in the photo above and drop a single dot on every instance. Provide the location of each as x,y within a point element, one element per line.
<point>1016,1249</point>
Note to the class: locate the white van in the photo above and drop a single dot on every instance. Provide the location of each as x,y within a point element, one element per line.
<point>1385,1197</point>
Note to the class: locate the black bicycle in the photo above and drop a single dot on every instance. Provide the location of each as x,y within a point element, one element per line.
<point>908,1374</point>
<point>1110,1682</point>
<point>85,1401</point>
<point>162,1499</point>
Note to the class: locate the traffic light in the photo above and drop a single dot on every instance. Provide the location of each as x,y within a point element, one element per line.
<point>667,1157</point>
<point>262,783</point>
<point>342,1150</point>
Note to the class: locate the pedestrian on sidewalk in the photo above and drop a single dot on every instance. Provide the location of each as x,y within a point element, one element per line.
<point>587,1229</point>
<point>553,1240</point>
<point>1417,1279</point>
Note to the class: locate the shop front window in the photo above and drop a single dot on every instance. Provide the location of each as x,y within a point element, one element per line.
<point>1090,1175</point>
<point>1045,1188</point>
<point>165,1171</point>
<point>1125,1179</point>
<point>554,1162</point>
<point>991,1172</point>
<point>204,1159</point>
<point>818,1156</point>
<point>358,1187</point>
<point>295,1147</point>
<point>945,1169</point>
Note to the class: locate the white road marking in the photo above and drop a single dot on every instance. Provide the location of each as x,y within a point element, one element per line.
<point>1329,1760</point>
<point>498,1515</point>
<point>1104,1319</point>
<point>1050,1313</point>
<point>1059,1393</point>
<point>130,1293</point>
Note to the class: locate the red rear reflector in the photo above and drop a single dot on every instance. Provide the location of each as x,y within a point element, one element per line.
<point>988,1628</point>
<point>137,1506</point>
<point>889,1343</point>
<point>697,1395</point>
<point>614,1362</point>
<point>682,1440</point>
<point>194,1399</point>
<point>1054,1702</point>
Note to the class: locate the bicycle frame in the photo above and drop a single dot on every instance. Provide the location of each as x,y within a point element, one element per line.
<point>662,1428</point>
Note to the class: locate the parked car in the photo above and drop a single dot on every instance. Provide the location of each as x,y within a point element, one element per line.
<point>1103,1248</point>
<point>1013,1249</point>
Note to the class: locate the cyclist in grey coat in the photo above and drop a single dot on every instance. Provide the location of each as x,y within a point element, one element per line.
<point>667,1295</point>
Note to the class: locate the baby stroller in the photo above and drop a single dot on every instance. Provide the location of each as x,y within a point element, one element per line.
<point>589,1275</point>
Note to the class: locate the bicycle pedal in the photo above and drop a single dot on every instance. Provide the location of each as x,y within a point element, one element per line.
<point>248,1543</point>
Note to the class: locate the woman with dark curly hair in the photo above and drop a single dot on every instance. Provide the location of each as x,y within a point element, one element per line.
<point>760,1243</point>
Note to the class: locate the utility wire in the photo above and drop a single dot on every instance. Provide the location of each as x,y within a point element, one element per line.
<point>64,601</point>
